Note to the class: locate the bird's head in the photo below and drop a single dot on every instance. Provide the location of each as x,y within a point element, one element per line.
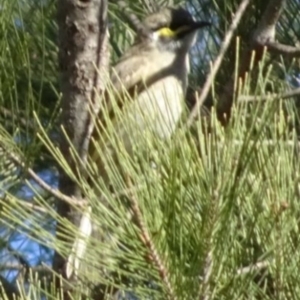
<point>173,29</point>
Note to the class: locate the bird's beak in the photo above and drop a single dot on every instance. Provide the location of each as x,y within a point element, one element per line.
<point>198,25</point>
<point>193,26</point>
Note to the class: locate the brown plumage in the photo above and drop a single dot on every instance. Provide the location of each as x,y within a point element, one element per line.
<point>145,96</point>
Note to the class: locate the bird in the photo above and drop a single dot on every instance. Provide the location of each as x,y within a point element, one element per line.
<point>145,95</point>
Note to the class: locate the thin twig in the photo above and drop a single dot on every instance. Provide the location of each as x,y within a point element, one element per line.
<point>148,243</point>
<point>206,278</point>
<point>270,143</point>
<point>20,267</point>
<point>282,49</point>
<point>32,206</point>
<point>216,65</point>
<point>134,21</point>
<point>56,193</point>
<point>263,38</point>
<point>289,94</point>
<point>254,268</point>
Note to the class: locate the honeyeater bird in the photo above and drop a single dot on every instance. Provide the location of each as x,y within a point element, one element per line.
<point>147,87</point>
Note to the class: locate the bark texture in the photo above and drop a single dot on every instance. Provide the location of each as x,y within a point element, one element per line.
<point>83,62</point>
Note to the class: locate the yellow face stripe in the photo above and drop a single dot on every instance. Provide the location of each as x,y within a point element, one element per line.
<point>167,32</point>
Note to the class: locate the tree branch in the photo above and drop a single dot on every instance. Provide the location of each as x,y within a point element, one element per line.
<point>265,30</point>
<point>287,95</point>
<point>132,19</point>
<point>148,243</point>
<point>83,61</point>
<point>263,37</point>
<point>54,192</point>
<point>254,267</point>
<point>282,49</point>
<point>217,63</point>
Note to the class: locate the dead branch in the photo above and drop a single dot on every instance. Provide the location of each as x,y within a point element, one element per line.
<point>217,63</point>
<point>265,30</point>
<point>269,97</point>
<point>263,39</point>
<point>132,19</point>
<point>54,192</point>
<point>254,268</point>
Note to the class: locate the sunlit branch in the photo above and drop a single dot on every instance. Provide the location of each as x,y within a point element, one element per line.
<point>54,192</point>
<point>268,97</point>
<point>217,63</point>
<point>148,243</point>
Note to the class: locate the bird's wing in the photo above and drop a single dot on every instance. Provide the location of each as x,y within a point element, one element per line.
<point>126,78</point>
<point>132,69</point>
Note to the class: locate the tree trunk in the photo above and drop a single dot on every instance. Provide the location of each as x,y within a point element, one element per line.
<point>83,63</point>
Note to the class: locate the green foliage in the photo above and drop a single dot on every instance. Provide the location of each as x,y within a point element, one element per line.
<point>220,209</point>
<point>219,206</point>
<point>28,77</point>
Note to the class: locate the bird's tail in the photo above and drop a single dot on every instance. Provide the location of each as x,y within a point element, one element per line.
<point>79,246</point>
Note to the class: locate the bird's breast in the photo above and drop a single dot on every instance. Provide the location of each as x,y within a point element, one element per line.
<point>163,105</point>
<point>154,112</point>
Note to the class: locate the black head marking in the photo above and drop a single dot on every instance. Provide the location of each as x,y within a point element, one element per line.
<point>172,18</point>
